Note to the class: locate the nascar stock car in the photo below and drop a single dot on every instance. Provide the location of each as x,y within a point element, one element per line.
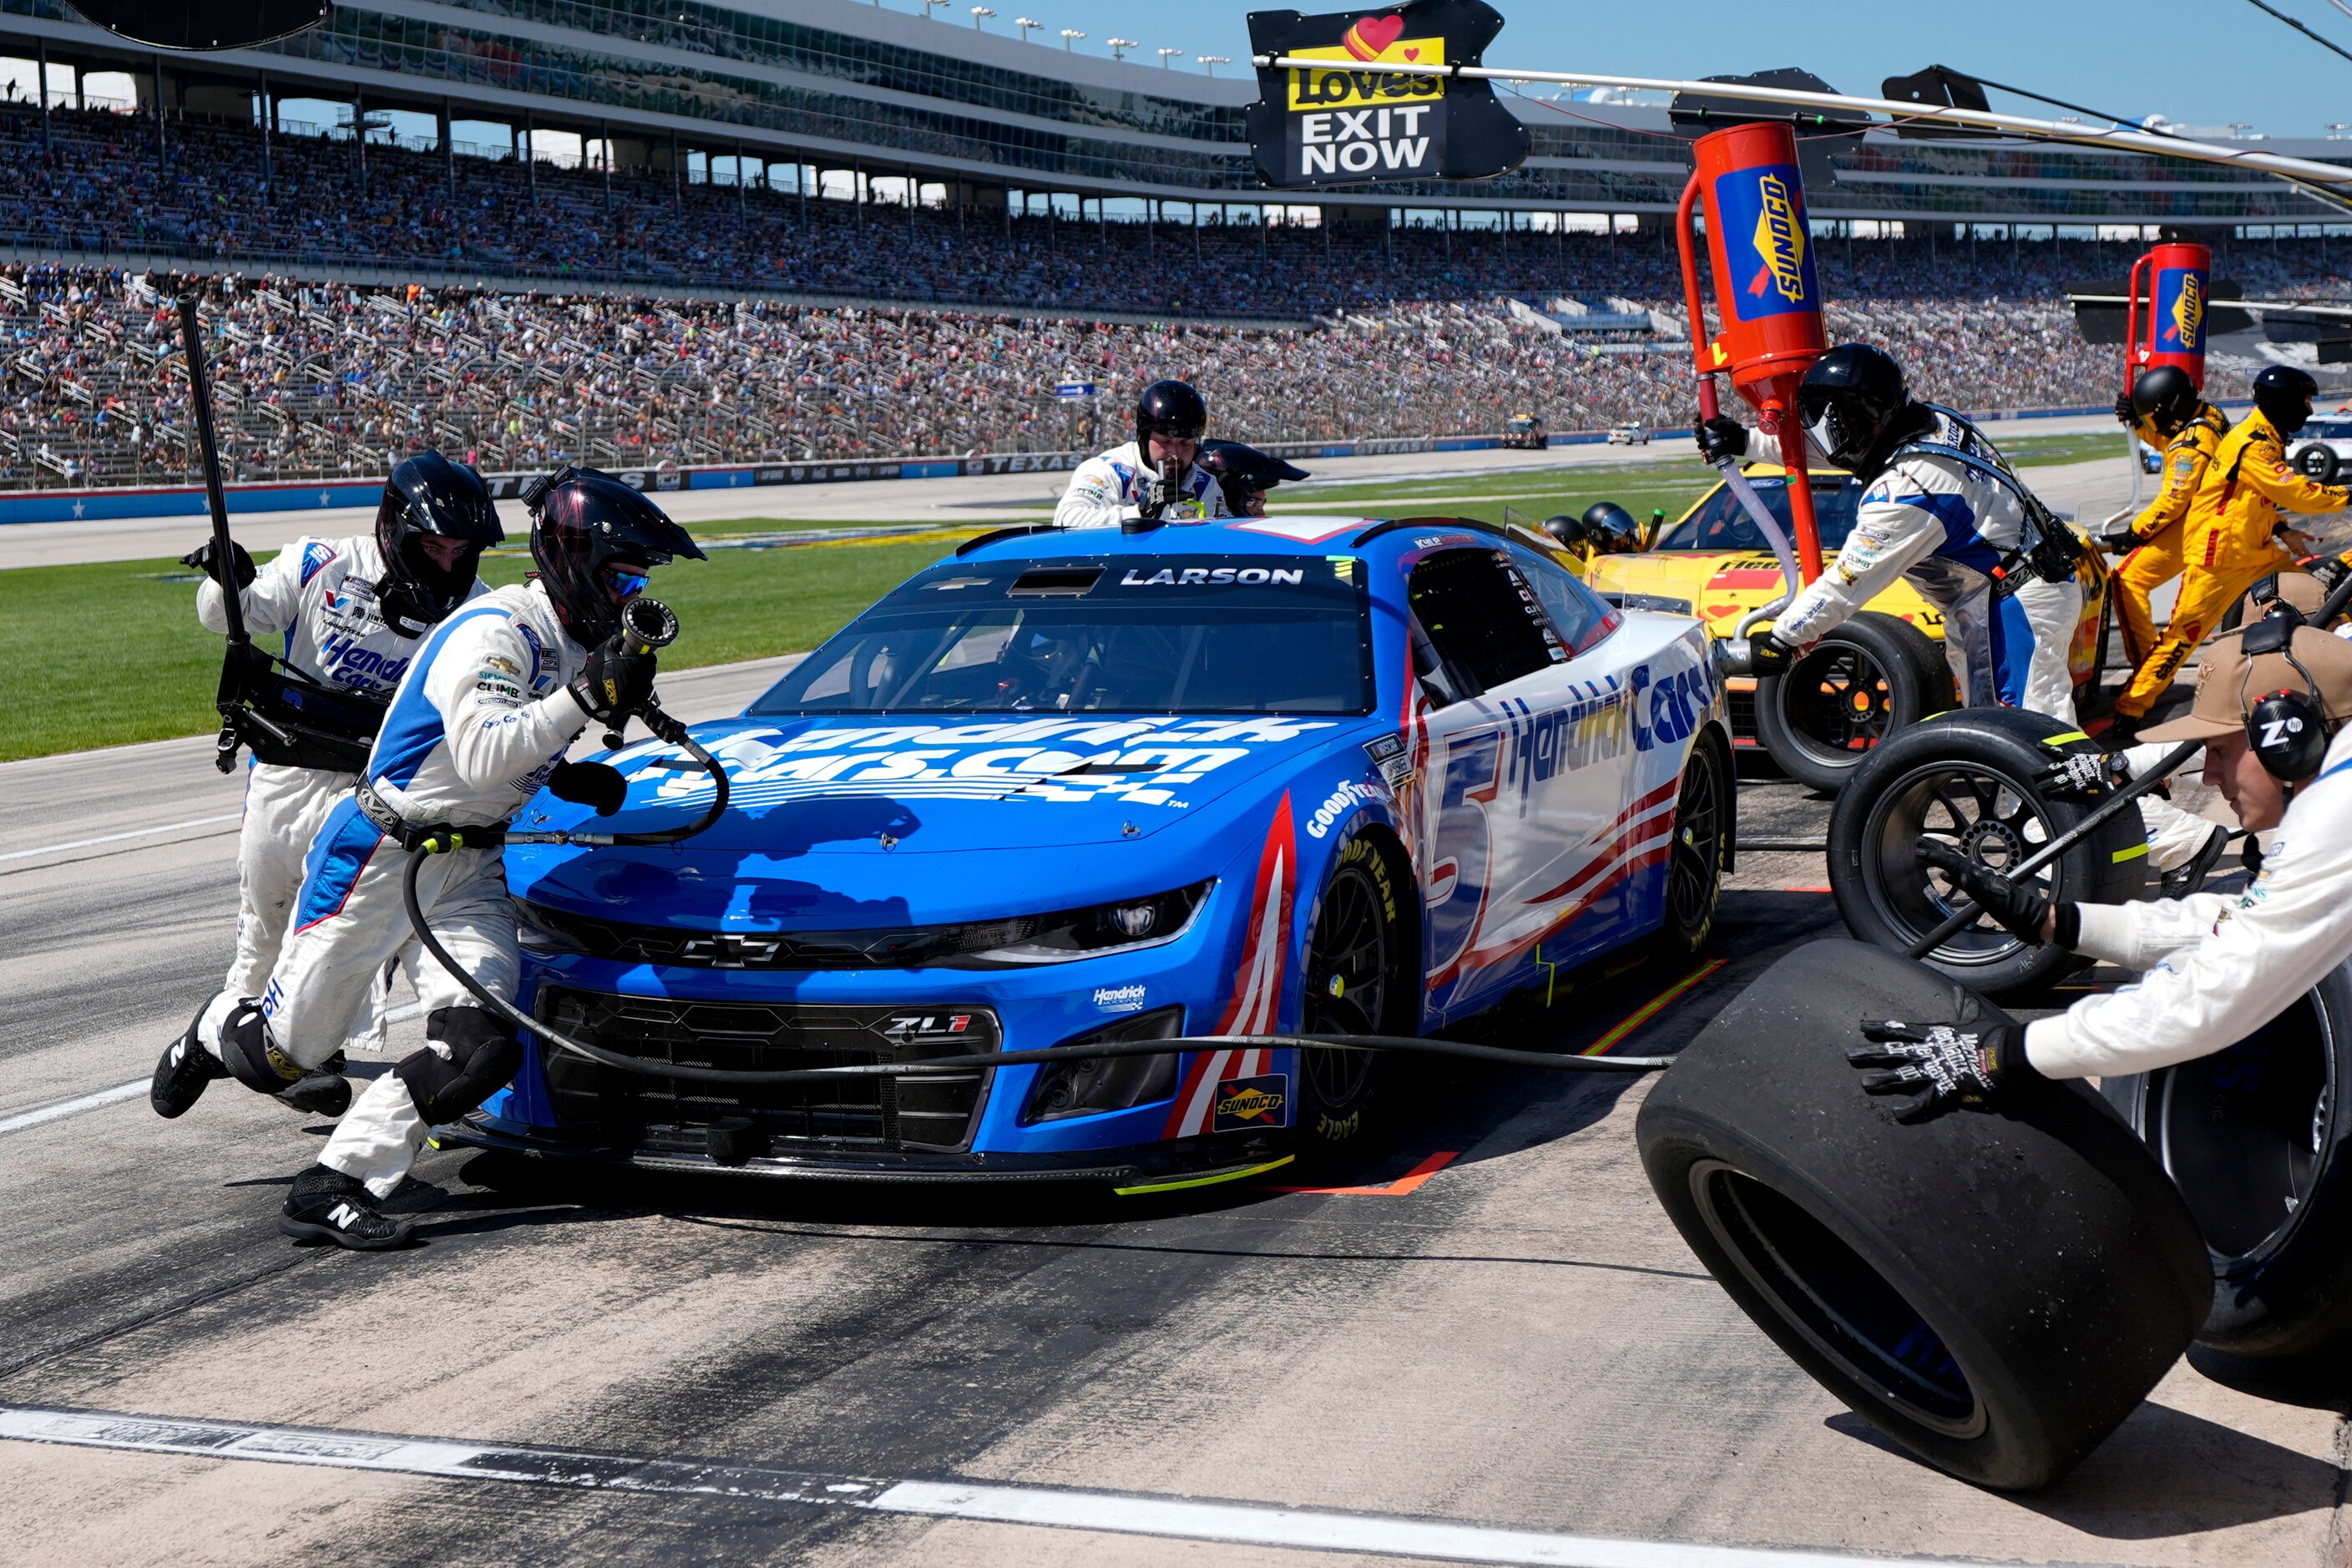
<point>1881,670</point>
<point>1256,775</point>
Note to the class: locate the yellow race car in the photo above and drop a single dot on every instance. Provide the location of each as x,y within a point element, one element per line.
<point>1882,669</point>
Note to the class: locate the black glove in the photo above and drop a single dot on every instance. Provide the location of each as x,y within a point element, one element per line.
<point>1720,437</point>
<point>1768,654</point>
<point>2019,908</point>
<point>1935,1065</point>
<point>615,683</point>
<point>241,563</point>
<point>2125,415</point>
<point>2120,540</point>
<point>599,785</point>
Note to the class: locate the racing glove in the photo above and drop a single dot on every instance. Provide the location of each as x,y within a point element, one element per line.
<point>1720,438</point>
<point>2121,540</point>
<point>599,785</point>
<point>203,559</point>
<point>1935,1066</point>
<point>615,682</point>
<point>1768,654</point>
<point>2019,908</point>
<point>2125,415</point>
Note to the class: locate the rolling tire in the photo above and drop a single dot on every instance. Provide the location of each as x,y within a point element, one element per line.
<point>1970,776</point>
<point>2316,463</point>
<point>2256,1138</point>
<point>1858,685</point>
<point>1935,677</point>
<point>1995,1291</point>
<point>1352,983</point>
<point>1705,825</point>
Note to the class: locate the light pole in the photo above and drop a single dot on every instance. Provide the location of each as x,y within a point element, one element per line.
<point>1025,23</point>
<point>1168,58</point>
<point>1119,47</point>
<point>1070,36</point>
<point>1212,62</point>
<point>927,5</point>
<point>979,15</point>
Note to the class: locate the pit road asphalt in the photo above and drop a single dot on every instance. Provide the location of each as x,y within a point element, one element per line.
<point>1520,1339</point>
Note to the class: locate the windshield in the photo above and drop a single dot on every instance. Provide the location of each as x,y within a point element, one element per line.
<point>2337,429</point>
<point>1722,524</point>
<point>1191,634</point>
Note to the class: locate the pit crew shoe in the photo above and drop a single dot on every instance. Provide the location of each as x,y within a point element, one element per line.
<point>181,1076</point>
<point>325,1092</point>
<point>327,1207</point>
<point>2183,880</point>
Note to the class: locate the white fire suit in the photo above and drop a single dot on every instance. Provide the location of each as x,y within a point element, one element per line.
<point>321,594</point>
<point>2217,966</point>
<point>481,719</point>
<point>1945,526</point>
<point>1106,488</point>
<point>2174,836</point>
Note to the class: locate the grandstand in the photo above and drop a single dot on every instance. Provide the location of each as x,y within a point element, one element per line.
<point>852,233</point>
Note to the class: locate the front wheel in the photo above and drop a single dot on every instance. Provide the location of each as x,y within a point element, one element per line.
<point>1353,986</point>
<point>1848,693</point>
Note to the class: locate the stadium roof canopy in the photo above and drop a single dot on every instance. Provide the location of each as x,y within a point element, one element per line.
<point>839,84</point>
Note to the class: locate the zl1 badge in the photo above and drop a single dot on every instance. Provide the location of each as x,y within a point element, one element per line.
<point>1252,1103</point>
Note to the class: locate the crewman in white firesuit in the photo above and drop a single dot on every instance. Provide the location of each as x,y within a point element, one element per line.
<point>481,719</point>
<point>1155,476</point>
<point>2272,705</point>
<point>354,612</point>
<point>1939,506</point>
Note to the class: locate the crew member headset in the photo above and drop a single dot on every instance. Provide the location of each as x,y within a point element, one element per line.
<point>2289,731</point>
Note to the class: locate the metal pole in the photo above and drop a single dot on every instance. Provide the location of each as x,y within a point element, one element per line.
<point>359,132</point>
<point>531,159</point>
<point>163,150</point>
<point>739,176</point>
<point>268,118</point>
<point>41,47</point>
<point>677,176</point>
<point>448,149</point>
<point>605,137</point>
<point>200,404</point>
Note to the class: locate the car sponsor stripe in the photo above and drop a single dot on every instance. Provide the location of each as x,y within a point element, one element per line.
<point>1157,1515</point>
<point>1650,1009</point>
<point>1213,1178</point>
<point>1255,1005</point>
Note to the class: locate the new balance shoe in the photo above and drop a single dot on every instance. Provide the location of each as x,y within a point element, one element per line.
<point>185,1067</point>
<point>329,1207</point>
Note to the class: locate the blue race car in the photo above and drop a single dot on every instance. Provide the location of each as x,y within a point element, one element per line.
<point>1309,774</point>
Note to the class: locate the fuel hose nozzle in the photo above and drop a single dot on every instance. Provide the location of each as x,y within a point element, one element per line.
<point>645,624</point>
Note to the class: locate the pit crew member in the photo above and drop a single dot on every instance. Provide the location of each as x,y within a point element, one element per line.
<point>1940,508</point>
<point>2271,706</point>
<point>2163,409</point>
<point>2231,535</point>
<point>354,612</point>
<point>1244,474</point>
<point>1154,476</point>
<point>482,718</point>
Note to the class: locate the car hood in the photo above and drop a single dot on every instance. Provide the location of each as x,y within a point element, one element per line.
<point>1719,587</point>
<point>842,822</point>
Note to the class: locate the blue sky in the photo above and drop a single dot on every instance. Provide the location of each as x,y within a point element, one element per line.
<point>2211,62</point>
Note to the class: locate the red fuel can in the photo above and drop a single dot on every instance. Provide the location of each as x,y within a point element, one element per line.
<point>2164,322</point>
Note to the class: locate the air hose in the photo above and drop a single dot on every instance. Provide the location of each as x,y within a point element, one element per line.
<point>665,728</point>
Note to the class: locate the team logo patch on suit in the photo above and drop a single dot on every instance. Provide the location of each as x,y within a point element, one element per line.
<point>1251,1102</point>
<point>315,556</point>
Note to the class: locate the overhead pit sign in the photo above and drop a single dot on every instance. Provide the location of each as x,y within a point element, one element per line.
<point>1334,121</point>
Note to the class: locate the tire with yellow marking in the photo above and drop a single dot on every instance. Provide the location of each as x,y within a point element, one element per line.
<point>1354,984</point>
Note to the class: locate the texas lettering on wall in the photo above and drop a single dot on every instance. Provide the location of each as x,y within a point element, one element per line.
<point>1337,121</point>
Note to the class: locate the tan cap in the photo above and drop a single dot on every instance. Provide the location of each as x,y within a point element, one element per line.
<point>2300,589</point>
<point>2228,683</point>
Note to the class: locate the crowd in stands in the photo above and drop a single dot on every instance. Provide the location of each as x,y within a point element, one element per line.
<point>1411,332</point>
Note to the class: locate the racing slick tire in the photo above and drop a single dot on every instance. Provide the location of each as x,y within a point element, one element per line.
<point>1353,983</point>
<point>1993,1289</point>
<point>2256,1139</point>
<point>1705,825</point>
<point>1973,776</point>
<point>2316,463</point>
<point>1941,686</point>
<point>1844,695</point>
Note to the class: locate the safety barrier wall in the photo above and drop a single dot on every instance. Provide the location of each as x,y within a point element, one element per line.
<point>188,500</point>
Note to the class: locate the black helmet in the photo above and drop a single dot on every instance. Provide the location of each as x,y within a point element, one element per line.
<point>1168,408</point>
<point>2283,393</point>
<point>1244,472</point>
<point>594,539</point>
<point>429,495</point>
<point>2166,398</point>
<point>1848,400</point>
<point>1610,528</point>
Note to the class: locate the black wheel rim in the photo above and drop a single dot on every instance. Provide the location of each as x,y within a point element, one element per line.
<point>1982,811</point>
<point>2243,1133</point>
<point>1347,968</point>
<point>1832,1297</point>
<point>1838,702</point>
<point>1694,868</point>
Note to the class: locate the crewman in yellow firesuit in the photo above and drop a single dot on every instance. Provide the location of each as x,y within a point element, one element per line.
<point>2163,408</point>
<point>2231,535</point>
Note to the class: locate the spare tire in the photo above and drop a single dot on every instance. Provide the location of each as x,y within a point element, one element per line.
<point>2256,1139</point>
<point>2316,463</point>
<point>1845,694</point>
<point>1994,1290</point>
<point>1971,777</point>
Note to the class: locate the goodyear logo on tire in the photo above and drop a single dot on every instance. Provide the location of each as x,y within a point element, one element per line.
<point>1766,249</point>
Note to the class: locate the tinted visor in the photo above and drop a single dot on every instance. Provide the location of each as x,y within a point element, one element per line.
<point>623,580</point>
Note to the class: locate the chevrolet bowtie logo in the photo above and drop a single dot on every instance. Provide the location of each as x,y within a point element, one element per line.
<point>730,950</point>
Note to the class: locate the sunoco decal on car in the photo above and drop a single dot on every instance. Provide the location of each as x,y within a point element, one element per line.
<point>1262,1101</point>
<point>1143,762</point>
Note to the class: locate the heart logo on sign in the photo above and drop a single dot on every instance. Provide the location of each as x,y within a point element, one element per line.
<point>1412,54</point>
<point>1372,35</point>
